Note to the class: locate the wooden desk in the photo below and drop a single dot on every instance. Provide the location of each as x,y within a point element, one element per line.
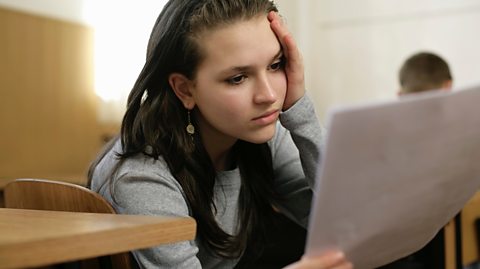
<point>36,237</point>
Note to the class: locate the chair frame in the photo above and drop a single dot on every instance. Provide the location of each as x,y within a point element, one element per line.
<point>43,194</point>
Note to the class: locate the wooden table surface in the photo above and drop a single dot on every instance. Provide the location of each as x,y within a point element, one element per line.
<point>37,237</point>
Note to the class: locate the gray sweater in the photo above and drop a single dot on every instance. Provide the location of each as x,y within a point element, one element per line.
<point>145,186</point>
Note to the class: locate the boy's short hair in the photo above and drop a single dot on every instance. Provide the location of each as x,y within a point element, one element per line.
<point>423,71</point>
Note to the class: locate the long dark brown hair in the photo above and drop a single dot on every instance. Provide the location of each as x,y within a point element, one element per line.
<point>156,118</point>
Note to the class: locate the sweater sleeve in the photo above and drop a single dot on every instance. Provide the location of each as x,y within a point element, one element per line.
<point>295,155</point>
<point>136,191</point>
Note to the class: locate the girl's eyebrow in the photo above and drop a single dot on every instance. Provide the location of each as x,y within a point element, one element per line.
<point>246,68</point>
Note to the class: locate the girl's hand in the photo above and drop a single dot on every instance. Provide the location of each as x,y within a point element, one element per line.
<point>330,260</point>
<point>294,63</point>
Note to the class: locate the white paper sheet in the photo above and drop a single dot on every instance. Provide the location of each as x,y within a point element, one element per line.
<point>394,173</point>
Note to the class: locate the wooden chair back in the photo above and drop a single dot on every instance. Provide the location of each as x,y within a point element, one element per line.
<point>44,194</point>
<point>469,233</point>
<point>462,237</point>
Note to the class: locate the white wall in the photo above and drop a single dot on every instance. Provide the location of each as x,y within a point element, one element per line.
<point>353,49</point>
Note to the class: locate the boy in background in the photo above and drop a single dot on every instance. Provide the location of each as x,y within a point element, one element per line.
<point>424,71</point>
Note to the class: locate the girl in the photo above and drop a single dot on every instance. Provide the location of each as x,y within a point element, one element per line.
<point>201,135</point>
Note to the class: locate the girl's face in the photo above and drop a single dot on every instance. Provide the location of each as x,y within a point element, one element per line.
<point>240,85</point>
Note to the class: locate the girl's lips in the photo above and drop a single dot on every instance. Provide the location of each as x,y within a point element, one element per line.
<point>267,118</point>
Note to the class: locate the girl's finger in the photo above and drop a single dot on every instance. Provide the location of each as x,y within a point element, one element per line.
<point>332,260</point>
<point>289,46</point>
<point>280,30</point>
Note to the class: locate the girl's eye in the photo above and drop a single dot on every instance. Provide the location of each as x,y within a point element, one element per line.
<point>277,65</point>
<point>236,80</point>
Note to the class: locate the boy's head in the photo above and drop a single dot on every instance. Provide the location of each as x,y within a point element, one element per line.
<point>424,71</point>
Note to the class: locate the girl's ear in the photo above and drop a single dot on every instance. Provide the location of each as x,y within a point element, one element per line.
<point>182,86</point>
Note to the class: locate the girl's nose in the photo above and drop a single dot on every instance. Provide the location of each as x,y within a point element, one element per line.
<point>264,91</point>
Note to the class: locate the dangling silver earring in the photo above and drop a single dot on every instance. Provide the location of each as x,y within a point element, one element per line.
<point>190,128</point>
